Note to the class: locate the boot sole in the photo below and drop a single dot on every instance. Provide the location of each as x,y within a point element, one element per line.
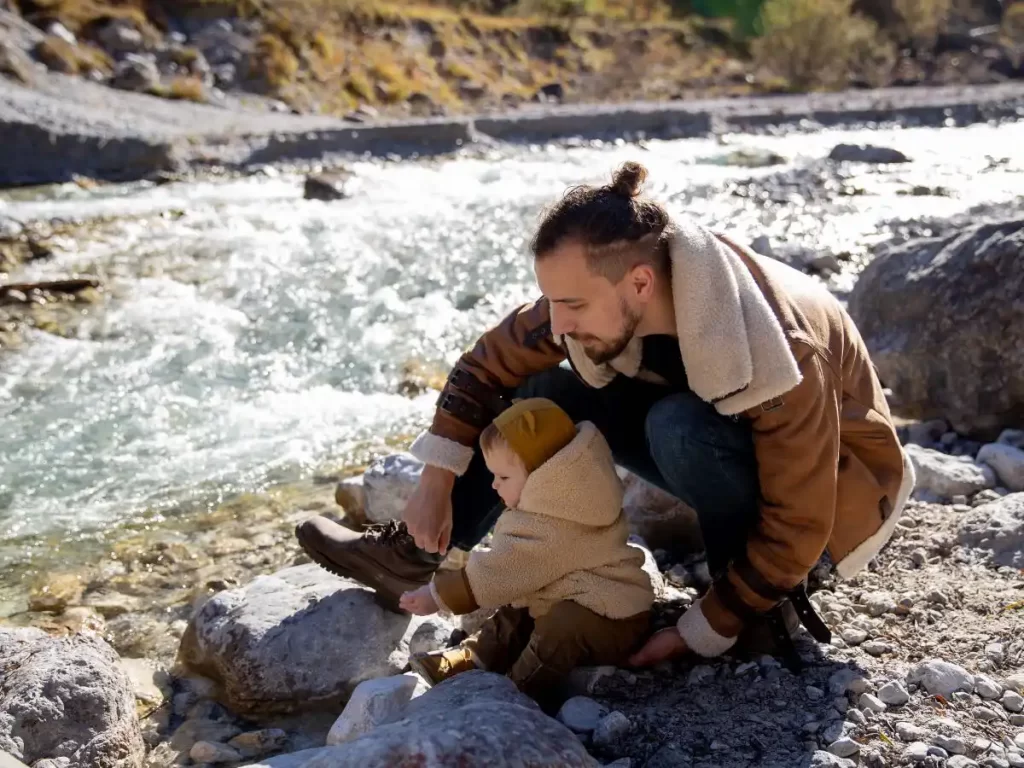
<point>383,600</point>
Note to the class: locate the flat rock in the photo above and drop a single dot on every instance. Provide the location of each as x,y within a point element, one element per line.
<point>987,688</point>
<point>1007,462</point>
<point>388,484</point>
<point>581,714</point>
<point>476,718</point>
<point>372,702</point>
<point>66,699</point>
<point>894,693</point>
<point>866,153</point>
<point>941,677</point>
<point>844,747</point>
<point>299,638</point>
<point>997,530</point>
<point>1012,701</point>
<point>943,476</point>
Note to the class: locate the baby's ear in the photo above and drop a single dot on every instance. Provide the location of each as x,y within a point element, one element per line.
<point>531,421</point>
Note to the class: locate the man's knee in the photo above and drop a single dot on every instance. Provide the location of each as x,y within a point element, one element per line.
<point>683,423</point>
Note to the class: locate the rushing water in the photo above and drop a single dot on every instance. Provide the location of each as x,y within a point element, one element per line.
<point>252,336</point>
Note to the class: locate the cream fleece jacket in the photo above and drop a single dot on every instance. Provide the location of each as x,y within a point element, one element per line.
<point>566,540</point>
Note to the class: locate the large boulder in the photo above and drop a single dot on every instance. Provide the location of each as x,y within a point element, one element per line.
<point>301,638</point>
<point>660,519</point>
<point>476,718</point>
<point>941,476</point>
<point>66,699</point>
<point>944,321</point>
<point>996,529</point>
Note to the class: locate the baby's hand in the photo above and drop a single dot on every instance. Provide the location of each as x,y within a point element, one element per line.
<point>419,601</point>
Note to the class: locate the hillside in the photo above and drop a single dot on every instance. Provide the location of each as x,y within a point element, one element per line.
<point>359,58</point>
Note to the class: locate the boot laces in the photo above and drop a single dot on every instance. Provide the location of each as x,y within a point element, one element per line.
<point>389,534</point>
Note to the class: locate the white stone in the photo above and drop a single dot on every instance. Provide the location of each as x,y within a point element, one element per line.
<point>943,476</point>
<point>876,647</point>
<point>987,714</point>
<point>1018,740</point>
<point>388,484</point>
<point>987,688</point>
<point>952,744</point>
<point>916,752</point>
<point>844,747</point>
<point>611,729</point>
<point>475,718</point>
<point>300,638</point>
<point>1013,701</point>
<point>581,714</point>
<point>879,603</point>
<point>1007,462</point>
<point>871,703</point>
<point>211,752</point>
<point>959,761</point>
<point>910,732</point>
<point>1015,682</point>
<point>996,529</point>
<point>941,678</point>
<point>856,717</point>
<point>894,693</point>
<point>854,636</point>
<point>372,703</point>
<point>822,759</point>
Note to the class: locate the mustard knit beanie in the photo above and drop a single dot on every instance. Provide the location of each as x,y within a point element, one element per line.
<point>536,429</point>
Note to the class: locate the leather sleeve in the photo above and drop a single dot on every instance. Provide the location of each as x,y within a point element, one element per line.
<point>519,346</point>
<point>796,441</point>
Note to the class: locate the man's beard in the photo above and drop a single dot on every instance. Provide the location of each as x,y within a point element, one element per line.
<point>609,350</point>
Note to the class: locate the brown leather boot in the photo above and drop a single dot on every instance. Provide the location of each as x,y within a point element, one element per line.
<point>438,666</point>
<point>384,558</point>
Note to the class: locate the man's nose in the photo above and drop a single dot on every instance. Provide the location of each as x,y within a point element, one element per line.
<point>560,322</point>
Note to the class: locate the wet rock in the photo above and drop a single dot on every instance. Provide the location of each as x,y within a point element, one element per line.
<point>66,698</point>
<point>1012,701</point>
<point>581,714</point>
<point>56,592</point>
<point>987,688</point>
<point>328,186</point>
<point>259,743</point>
<point>476,718</point>
<point>974,275</point>
<point>844,747</point>
<point>136,73</point>
<point>211,752</point>
<point>894,694</point>
<point>15,63</point>
<point>611,730</point>
<point>941,678</point>
<point>659,518</point>
<point>150,682</point>
<point>297,638</point>
<point>996,529</point>
<point>866,153</point>
<point>372,702</point>
<point>943,476</point>
<point>1007,462</point>
<point>388,484</point>
<point>870,703</point>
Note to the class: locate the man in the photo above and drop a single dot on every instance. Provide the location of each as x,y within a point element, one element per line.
<point>733,382</point>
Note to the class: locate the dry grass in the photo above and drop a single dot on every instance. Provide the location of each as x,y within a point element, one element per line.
<point>921,20</point>
<point>186,89</point>
<point>275,64</point>
<point>61,56</point>
<point>815,43</point>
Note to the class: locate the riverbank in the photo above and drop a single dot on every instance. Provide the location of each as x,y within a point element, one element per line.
<point>68,127</point>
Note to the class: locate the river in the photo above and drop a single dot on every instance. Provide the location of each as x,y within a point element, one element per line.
<point>251,337</point>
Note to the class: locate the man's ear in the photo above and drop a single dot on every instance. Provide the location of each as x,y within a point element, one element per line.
<point>642,280</point>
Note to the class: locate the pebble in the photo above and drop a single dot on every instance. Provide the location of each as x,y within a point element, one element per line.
<point>1015,760</point>
<point>822,759</point>
<point>959,761</point>
<point>871,703</point>
<point>856,717</point>
<point>941,678</point>
<point>1012,701</point>
<point>986,714</point>
<point>910,732</point>
<point>581,714</point>
<point>876,647</point>
<point>919,557</point>
<point>749,666</point>
<point>854,635</point>
<point>814,694</point>
<point>963,699</point>
<point>700,674</point>
<point>844,747</point>
<point>951,744</point>
<point>259,743</point>
<point>873,758</point>
<point>918,752</point>
<point>994,762</point>
<point>212,752</point>
<point>987,688</point>
<point>611,729</point>
<point>1017,720</point>
<point>995,651</point>
<point>894,694</point>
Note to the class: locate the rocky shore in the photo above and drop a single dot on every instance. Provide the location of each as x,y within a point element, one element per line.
<point>224,646</point>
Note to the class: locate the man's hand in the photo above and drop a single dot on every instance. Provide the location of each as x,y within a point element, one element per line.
<point>428,515</point>
<point>419,601</point>
<point>664,645</point>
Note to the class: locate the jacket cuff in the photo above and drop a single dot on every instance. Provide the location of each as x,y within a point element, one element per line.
<point>698,633</point>
<point>441,452</point>
<point>437,599</point>
<point>451,589</point>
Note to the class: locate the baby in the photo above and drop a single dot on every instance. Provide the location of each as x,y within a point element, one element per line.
<point>568,588</point>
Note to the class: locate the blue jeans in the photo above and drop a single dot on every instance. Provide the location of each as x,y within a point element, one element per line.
<point>672,439</point>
